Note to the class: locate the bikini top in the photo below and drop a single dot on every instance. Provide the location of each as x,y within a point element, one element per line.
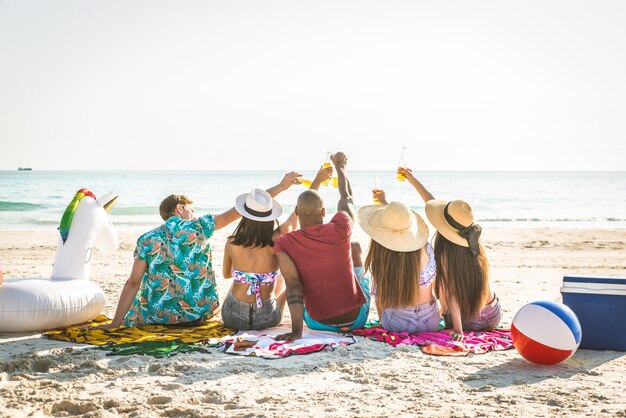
<point>430,271</point>
<point>255,280</point>
<point>428,274</point>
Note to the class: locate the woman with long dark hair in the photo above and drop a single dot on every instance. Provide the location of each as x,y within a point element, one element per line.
<point>462,284</point>
<point>256,298</point>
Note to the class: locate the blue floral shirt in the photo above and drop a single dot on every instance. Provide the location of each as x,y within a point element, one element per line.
<point>179,283</point>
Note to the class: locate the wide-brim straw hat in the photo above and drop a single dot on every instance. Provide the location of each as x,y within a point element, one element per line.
<point>394,226</point>
<point>258,205</point>
<point>459,210</point>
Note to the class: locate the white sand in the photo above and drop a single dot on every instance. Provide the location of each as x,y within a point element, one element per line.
<point>39,377</point>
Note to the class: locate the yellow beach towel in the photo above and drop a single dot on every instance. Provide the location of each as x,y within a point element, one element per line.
<point>210,331</point>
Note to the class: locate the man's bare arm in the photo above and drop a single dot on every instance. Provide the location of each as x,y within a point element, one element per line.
<point>128,293</point>
<point>295,297</point>
<point>287,181</point>
<point>226,218</point>
<point>231,215</point>
<point>323,174</point>
<point>345,203</point>
<point>417,185</point>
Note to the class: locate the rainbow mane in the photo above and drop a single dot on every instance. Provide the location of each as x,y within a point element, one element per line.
<point>68,215</point>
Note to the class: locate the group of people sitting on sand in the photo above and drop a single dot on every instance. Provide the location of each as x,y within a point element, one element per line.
<point>313,266</point>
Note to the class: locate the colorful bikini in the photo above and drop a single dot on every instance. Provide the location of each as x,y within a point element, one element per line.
<point>430,271</point>
<point>255,281</point>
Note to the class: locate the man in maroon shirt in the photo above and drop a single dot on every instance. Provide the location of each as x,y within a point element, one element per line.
<point>323,271</point>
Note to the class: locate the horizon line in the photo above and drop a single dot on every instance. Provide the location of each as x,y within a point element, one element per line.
<point>2,170</point>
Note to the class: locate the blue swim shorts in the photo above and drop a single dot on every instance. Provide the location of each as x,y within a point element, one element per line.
<point>359,322</point>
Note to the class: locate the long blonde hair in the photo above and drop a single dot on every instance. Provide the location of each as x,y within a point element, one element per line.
<point>462,275</point>
<point>395,274</point>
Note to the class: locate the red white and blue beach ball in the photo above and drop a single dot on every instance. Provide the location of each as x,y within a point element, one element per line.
<point>546,332</point>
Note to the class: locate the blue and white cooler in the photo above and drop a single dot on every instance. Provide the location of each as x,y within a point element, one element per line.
<point>600,305</point>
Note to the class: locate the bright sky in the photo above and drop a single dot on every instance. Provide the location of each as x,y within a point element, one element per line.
<point>255,84</point>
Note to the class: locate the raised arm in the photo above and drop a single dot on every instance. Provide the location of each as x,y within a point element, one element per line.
<point>323,174</point>
<point>231,215</point>
<point>291,224</point>
<point>287,181</point>
<point>226,218</point>
<point>292,221</point>
<point>345,203</point>
<point>295,297</point>
<point>380,195</point>
<point>425,194</point>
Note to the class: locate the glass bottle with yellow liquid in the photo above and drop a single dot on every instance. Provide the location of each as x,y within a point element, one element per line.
<point>401,164</point>
<point>326,165</point>
<point>376,189</point>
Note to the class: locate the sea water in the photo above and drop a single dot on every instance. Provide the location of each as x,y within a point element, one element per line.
<point>32,200</point>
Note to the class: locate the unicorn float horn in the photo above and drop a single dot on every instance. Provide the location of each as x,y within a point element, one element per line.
<point>108,201</point>
<point>107,241</point>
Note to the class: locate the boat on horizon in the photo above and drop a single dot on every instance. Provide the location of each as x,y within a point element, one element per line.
<point>24,169</point>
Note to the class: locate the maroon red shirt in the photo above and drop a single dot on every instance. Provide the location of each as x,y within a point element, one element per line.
<point>324,260</point>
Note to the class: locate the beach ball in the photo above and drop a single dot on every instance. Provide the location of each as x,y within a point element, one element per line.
<point>546,332</point>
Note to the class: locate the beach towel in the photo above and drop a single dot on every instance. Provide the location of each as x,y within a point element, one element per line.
<point>262,343</point>
<point>157,349</point>
<point>440,343</point>
<point>211,332</point>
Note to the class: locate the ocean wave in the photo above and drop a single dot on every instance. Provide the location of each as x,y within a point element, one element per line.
<point>154,210</point>
<point>19,206</point>
<point>43,222</point>
<point>135,210</point>
<point>608,219</point>
<point>137,223</point>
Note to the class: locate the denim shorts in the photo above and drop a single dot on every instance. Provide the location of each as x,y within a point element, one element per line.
<point>246,316</point>
<point>412,319</point>
<point>359,322</point>
<point>488,318</point>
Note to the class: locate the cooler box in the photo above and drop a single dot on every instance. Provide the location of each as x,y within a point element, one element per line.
<point>600,305</point>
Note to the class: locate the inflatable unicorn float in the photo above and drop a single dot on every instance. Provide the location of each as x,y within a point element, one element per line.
<point>67,297</point>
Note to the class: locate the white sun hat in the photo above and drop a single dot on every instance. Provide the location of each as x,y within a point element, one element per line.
<point>258,205</point>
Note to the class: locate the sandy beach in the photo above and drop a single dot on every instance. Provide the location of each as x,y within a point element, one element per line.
<point>40,377</point>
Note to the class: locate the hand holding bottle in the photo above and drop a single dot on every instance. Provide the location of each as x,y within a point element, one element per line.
<point>327,165</point>
<point>407,173</point>
<point>379,197</point>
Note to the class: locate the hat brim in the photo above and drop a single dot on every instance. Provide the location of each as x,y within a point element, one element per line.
<point>240,206</point>
<point>411,239</point>
<point>434,212</point>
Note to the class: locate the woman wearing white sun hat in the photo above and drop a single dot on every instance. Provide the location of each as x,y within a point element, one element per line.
<point>256,298</point>
<point>462,284</point>
<point>402,265</point>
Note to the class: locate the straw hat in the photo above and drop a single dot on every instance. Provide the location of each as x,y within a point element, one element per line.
<point>394,226</point>
<point>449,218</point>
<point>258,205</point>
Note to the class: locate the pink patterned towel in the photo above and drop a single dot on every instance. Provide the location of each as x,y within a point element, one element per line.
<point>263,344</point>
<point>439,342</point>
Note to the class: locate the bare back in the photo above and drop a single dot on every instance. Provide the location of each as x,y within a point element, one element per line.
<point>251,260</point>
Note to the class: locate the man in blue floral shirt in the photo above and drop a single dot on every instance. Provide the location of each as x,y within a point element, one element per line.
<point>172,280</point>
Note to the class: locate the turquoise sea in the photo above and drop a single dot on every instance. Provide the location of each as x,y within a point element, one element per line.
<point>31,200</point>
